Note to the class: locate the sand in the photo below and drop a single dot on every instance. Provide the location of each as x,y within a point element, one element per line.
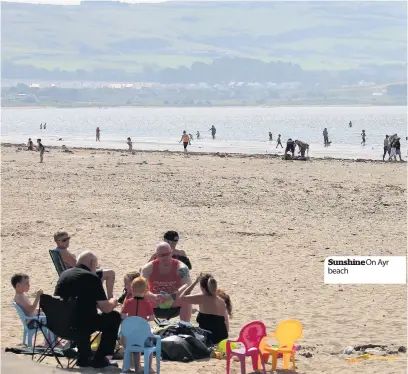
<point>262,226</point>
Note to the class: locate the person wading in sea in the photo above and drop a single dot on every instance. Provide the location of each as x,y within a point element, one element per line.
<point>186,140</point>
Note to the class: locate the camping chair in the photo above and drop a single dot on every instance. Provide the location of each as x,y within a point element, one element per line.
<point>161,316</point>
<point>61,320</point>
<point>137,332</point>
<point>60,317</point>
<point>248,346</point>
<point>28,332</point>
<point>57,260</point>
<point>286,333</point>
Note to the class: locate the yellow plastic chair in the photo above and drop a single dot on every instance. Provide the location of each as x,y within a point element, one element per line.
<point>286,333</point>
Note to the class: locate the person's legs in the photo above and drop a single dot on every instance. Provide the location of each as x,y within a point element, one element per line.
<point>136,361</point>
<point>108,276</point>
<point>83,341</point>
<point>108,324</point>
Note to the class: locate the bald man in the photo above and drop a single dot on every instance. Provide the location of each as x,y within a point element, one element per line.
<point>83,283</point>
<point>167,278</point>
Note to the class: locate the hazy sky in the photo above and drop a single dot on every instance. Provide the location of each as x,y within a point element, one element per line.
<point>78,1</point>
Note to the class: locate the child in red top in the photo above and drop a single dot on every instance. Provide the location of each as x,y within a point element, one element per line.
<point>138,306</point>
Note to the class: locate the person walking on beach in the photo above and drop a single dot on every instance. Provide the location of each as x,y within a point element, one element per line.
<point>278,142</point>
<point>41,126</point>
<point>129,143</point>
<point>363,137</point>
<point>395,149</point>
<point>98,134</point>
<point>326,137</point>
<point>213,131</point>
<point>190,136</point>
<point>270,136</point>
<point>198,134</point>
<point>41,149</point>
<point>350,124</point>
<point>386,146</point>
<point>45,125</point>
<point>186,140</point>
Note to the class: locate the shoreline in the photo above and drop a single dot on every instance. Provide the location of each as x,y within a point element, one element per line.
<point>286,105</point>
<point>213,154</point>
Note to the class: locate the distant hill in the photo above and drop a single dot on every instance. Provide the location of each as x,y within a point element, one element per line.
<point>327,35</point>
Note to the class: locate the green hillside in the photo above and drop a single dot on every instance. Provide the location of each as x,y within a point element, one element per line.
<point>317,35</point>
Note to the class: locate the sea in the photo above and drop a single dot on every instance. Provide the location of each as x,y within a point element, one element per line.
<point>241,130</point>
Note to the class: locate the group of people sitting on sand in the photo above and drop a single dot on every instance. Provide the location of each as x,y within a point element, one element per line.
<point>162,286</point>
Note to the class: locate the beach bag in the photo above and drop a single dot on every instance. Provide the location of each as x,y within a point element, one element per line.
<point>184,348</point>
<point>175,348</point>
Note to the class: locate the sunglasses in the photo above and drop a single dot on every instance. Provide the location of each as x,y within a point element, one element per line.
<point>164,254</point>
<point>65,239</point>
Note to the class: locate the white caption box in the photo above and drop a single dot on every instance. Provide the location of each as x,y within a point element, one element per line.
<point>365,270</point>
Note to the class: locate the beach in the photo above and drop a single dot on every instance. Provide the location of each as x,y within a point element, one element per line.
<point>261,225</point>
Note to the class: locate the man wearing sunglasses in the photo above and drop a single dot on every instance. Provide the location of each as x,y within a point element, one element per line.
<point>172,237</point>
<point>62,240</point>
<point>167,278</point>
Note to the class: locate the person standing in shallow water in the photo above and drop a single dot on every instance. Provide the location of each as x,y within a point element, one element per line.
<point>270,136</point>
<point>279,142</point>
<point>326,137</point>
<point>213,131</point>
<point>98,134</point>
<point>186,140</point>
<point>363,137</point>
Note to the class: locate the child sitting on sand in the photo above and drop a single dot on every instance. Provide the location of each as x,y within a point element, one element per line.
<point>138,306</point>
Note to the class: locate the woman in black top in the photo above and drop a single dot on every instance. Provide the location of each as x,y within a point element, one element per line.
<point>172,237</point>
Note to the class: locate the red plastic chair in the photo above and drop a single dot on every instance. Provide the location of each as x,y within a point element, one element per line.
<point>249,338</point>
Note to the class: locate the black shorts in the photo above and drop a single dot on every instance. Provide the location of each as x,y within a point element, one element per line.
<point>99,273</point>
<point>185,144</point>
<point>290,148</point>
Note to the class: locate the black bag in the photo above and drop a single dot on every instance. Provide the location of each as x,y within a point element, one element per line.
<point>184,348</point>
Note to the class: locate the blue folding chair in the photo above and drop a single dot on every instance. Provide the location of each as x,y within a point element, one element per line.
<point>137,332</point>
<point>29,333</point>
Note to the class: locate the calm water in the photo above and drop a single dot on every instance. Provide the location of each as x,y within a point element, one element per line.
<point>242,130</point>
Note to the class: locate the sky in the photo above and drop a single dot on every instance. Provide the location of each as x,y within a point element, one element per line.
<point>61,2</point>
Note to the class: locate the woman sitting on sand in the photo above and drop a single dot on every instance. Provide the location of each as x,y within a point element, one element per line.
<point>214,307</point>
<point>172,237</point>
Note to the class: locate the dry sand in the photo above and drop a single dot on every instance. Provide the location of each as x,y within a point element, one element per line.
<point>262,226</point>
